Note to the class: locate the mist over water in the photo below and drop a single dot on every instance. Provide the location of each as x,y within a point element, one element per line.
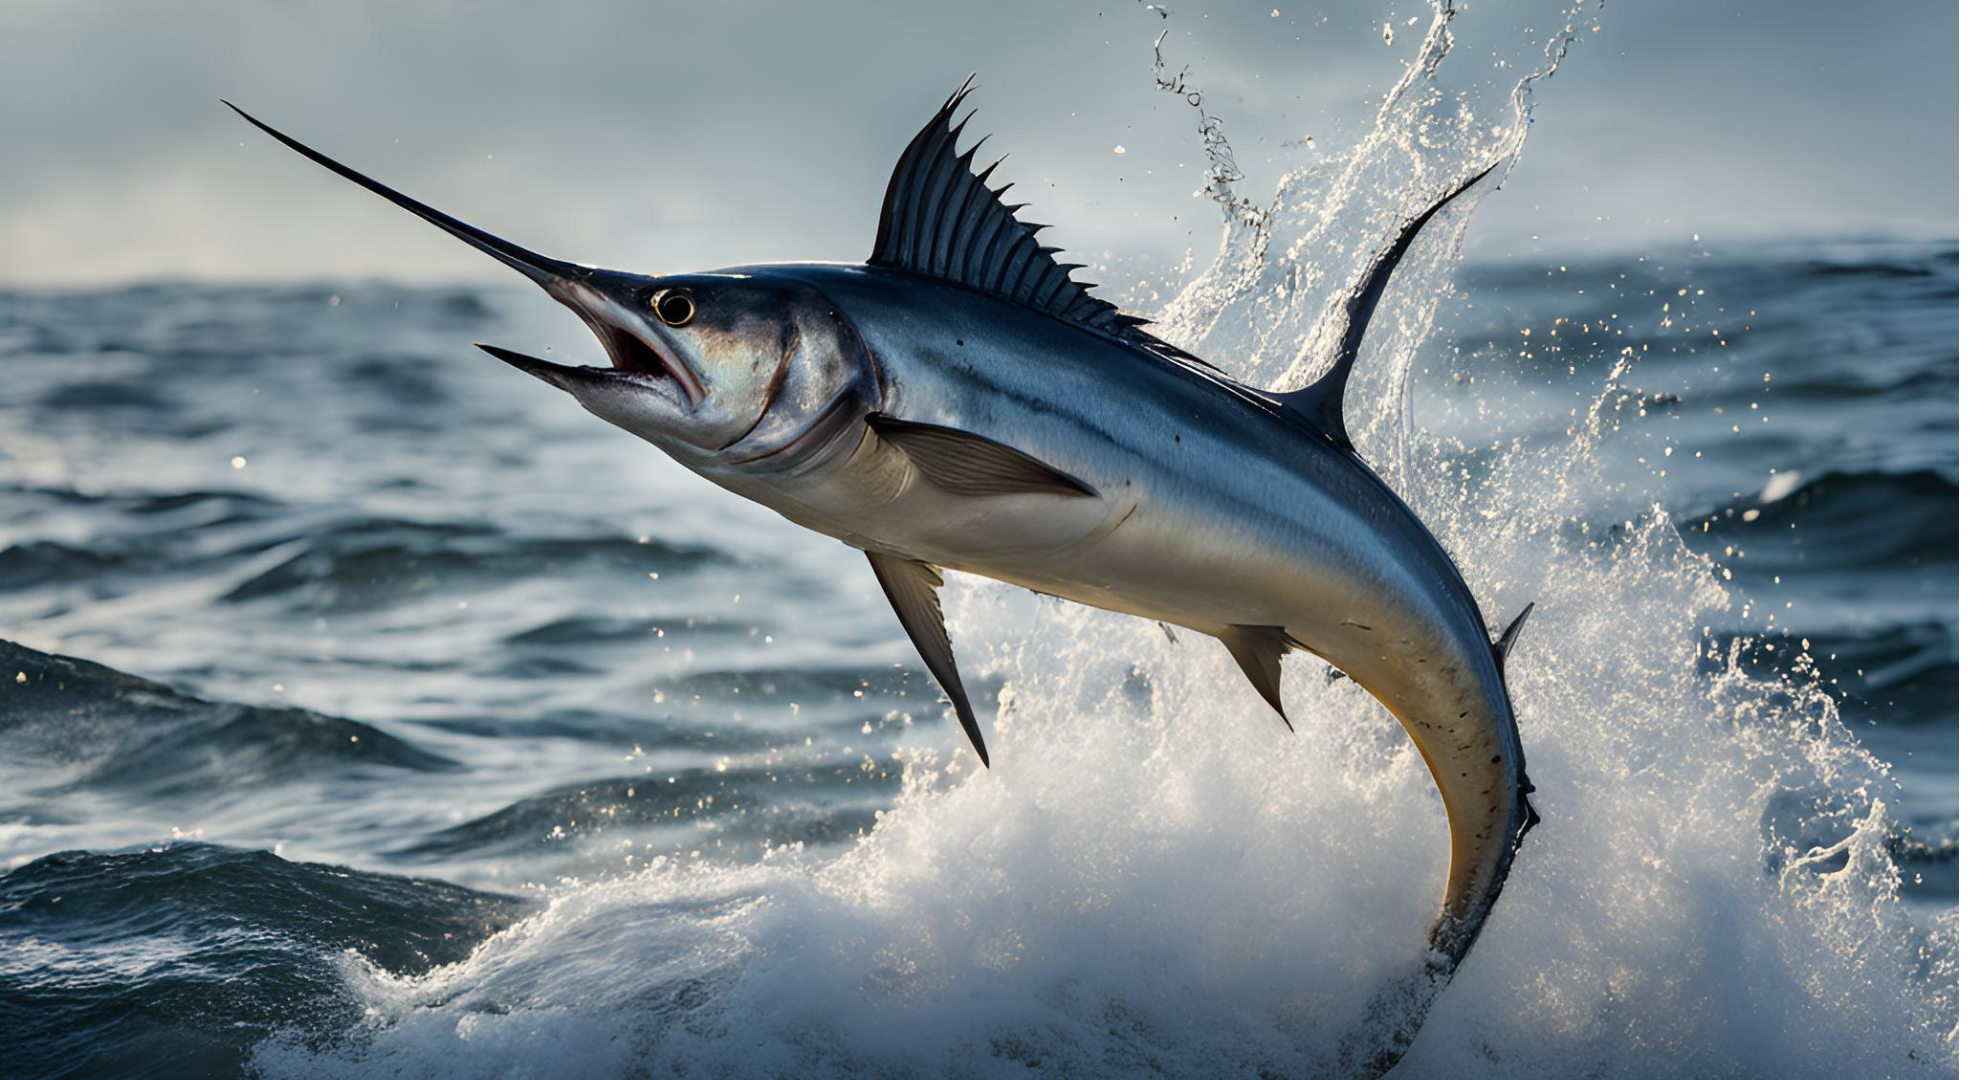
<point>641,783</point>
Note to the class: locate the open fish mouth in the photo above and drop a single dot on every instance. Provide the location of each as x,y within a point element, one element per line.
<point>635,359</point>
<point>632,354</point>
<point>635,365</point>
<point>604,301</point>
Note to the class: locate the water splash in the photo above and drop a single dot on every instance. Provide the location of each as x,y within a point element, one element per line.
<point>1220,180</point>
<point>1158,880</point>
<point>1272,302</point>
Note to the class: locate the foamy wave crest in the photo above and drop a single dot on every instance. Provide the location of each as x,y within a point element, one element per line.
<point>1157,879</point>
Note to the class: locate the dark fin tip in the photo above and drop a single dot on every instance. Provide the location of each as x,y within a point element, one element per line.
<point>1503,647</point>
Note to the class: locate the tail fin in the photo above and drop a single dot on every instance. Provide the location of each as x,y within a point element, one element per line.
<point>1319,405</point>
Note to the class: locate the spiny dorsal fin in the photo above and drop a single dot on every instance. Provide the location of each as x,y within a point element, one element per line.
<point>1503,647</point>
<point>944,221</point>
<point>1258,651</point>
<point>1320,404</point>
<point>910,586</point>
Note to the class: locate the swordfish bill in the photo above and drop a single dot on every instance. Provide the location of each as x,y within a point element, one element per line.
<point>959,402</point>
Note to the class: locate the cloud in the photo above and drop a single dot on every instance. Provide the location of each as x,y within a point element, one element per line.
<point>669,136</point>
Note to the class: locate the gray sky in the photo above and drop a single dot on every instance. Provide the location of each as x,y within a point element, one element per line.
<point>665,136</point>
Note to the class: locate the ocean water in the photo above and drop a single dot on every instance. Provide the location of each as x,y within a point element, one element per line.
<point>452,731</point>
<point>368,709</point>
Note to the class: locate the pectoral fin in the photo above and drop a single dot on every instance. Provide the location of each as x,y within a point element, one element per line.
<point>1258,651</point>
<point>963,463</point>
<point>910,586</point>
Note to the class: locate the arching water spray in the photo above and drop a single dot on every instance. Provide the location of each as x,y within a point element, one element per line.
<point>1273,297</point>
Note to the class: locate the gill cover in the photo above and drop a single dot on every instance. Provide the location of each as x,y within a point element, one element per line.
<point>773,353</point>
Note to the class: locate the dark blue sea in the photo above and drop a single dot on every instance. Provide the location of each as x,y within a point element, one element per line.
<point>366,708</point>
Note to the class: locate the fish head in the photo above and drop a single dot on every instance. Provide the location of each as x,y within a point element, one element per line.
<point>711,368</point>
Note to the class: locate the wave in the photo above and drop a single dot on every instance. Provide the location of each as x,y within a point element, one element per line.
<point>1846,523</point>
<point>113,541</point>
<point>89,727</point>
<point>1904,674</point>
<point>177,960</point>
<point>1874,259</point>
<point>613,729</point>
<point>1156,878</point>
<point>380,563</point>
<point>170,511</point>
<point>581,631</point>
<point>754,808</point>
<point>45,562</point>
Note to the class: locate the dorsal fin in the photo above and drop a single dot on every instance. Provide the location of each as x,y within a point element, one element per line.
<point>1319,405</point>
<point>944,221</point>
<point>1503,647</point>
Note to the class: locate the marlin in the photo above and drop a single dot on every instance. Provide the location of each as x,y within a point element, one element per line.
<point>959,402</point>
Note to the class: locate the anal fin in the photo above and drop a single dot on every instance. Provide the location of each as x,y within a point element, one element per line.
<point>1258,651</point>
<point>910,586</point>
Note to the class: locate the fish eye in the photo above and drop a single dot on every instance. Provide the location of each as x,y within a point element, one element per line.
<point>674,306</point>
